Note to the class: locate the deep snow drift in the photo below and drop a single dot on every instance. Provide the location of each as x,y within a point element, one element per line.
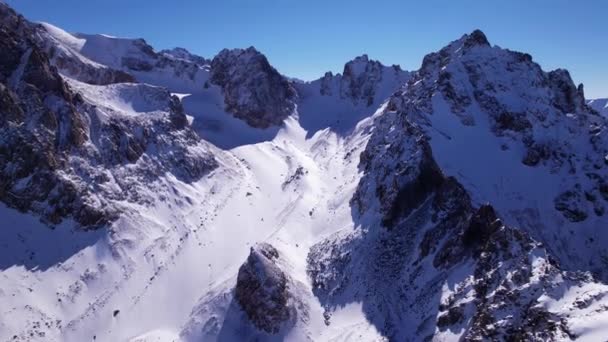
<point>376,204</point>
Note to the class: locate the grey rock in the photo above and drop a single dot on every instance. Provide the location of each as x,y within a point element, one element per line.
<point>253,90</point>
<point>262,289</point>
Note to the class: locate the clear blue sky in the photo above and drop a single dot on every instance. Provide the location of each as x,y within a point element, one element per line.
<point>305,38</point>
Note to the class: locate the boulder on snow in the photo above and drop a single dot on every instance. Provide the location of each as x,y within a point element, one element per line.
<point>262,289</point>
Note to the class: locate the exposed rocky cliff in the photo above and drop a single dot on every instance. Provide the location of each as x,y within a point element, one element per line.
<point>60,147</point>
<point>253,90</point>
<point>262,289</point>
<point>364,81</point>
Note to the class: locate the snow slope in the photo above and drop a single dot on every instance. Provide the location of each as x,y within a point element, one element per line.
<point>197,236</point>
<point>132,59</point>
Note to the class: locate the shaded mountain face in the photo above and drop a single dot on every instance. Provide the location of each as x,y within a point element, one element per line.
<point>62,148</point>
<point>253,90</point>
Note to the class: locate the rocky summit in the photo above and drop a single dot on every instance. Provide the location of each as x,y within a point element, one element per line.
<point>151,195</point>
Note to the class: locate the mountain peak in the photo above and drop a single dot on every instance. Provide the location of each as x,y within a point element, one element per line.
<point>185,55</point>
<point>475,38</point>
<point>253,90</point>
<point>359,64</point>
<point>361,59</point>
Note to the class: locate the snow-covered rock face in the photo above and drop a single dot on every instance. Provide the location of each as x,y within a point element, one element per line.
<point>465,204</point>
<point>429,263</point>
<point>183,54</point>
<point>64,146</point>
<point>253,90</point>
<point>63,51</point>
<point>600,105</point>
<point>363,80</point>
<point>362,76</point>
<point>262,289</point>
<point>517,137</point>
<point>40,124</point>
<point>447,271</point>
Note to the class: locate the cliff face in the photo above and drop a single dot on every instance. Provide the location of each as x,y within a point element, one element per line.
<point>253,90</point>
<point>54,140</point>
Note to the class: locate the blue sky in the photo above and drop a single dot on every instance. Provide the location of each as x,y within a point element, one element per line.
<point>305,38</point>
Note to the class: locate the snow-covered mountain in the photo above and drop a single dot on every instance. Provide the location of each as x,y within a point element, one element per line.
<point>601,105</point>
<point>163,196</point>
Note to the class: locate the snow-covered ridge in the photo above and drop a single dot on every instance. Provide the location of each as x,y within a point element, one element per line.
<point>435,261</point>
<point>252,89</point>
<point>64,52</point>
<point>183,54</point>
<point>601,105</point>
<point>71,145</point>
<point>363,81</point>
<point>130,59</point>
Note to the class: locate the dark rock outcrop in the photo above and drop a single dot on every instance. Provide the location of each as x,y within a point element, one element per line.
<point>262,289</point>
<point>360,78</point>
<point>253,90</point>
<point>40,125</point>
<point>55,153</point>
